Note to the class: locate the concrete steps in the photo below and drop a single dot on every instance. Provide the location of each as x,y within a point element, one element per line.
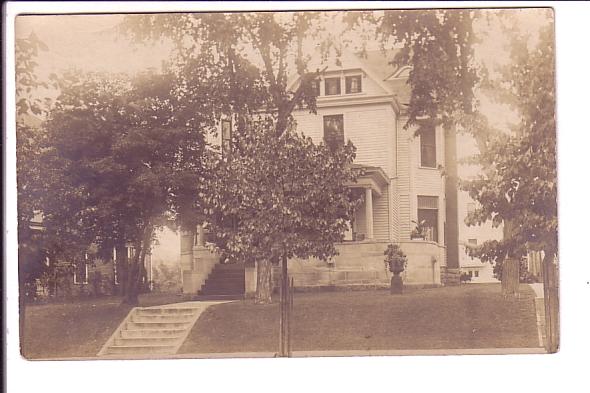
<point>225,281</point>
<point>159,330</point>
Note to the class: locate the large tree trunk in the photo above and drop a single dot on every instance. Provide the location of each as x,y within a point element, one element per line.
<point>131,290</point>
<point>510,276</point>
<point>451,237</point>
<point>122,268</point>
<point>134,270</point>
<point>263,281</point>
<point>551,300</point>
<point>510,266</point>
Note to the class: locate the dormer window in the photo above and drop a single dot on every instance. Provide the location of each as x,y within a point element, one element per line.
<point>332,86</point>
<point>353,84</point>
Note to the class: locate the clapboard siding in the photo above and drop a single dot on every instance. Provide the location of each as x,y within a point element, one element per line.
<point>394,213</point>
<point>403,180</point>
<point>381,216</point>
<point>369,127</point>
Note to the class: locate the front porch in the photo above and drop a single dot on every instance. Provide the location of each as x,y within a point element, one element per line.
<point>371,188</point>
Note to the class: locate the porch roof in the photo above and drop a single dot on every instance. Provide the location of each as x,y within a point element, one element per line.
<point>372,177</point>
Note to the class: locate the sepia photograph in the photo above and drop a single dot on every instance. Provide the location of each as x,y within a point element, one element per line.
<point>269,184</point>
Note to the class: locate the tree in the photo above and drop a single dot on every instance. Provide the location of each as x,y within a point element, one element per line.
<point>518,185</point>
<point>438,45</point>
<point>122,156</point>
<point>31,256</point>
<point>279,198</point>
<point>236,41</point>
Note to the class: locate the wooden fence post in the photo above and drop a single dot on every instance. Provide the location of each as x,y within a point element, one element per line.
<point>551,300</point>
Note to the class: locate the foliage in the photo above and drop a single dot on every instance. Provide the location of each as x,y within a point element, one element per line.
<point>518,184</point>
<point>395,259</point>
<point>27,83</point>
<point>282,196</point>
<point>29,105</point>
<point>236,42</point>
<point>259,210</point>
<point>166,278</point>
<point>438,45</point>
<point>121,157</point>
<point>419,231</point>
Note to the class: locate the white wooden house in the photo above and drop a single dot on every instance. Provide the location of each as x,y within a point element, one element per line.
<point>363,99</point>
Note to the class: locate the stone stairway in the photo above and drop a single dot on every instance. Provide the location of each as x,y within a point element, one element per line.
<point>226,281</point>
<point>158,330</point>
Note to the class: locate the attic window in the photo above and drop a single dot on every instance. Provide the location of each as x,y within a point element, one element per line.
<point>332,86</point>
<point>353,84</point>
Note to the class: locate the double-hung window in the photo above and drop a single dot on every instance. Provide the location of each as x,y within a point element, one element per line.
<point>428,148</point>
<point>334,131</point>
<point>428,216</point>
<point>332,86</point>
<point>353,84</point>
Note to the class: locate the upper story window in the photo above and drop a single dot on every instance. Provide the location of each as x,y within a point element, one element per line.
<point>353,84</point>
<point>472,242</point>
<point>225,137</point>
<point>315,87</point>
<point>428,148</point>
<point>332,86</point>
<point>334,131</point>
<point>470,207</point>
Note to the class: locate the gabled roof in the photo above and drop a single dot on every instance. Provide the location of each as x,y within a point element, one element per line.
<point>376,63</point>
<point>380,63</point>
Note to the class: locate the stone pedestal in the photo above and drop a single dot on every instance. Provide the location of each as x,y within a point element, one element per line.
<point>397,285</point>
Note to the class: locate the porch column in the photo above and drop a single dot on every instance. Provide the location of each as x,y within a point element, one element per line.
<point>186,249</point>
<point>200,236</point>
<point>369,212</point>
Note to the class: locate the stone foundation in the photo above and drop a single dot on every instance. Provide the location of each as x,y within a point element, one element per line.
<point>361,264</point>
<point>450,276</point>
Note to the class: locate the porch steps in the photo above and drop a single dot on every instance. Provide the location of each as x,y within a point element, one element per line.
<point>158,330</point>
<point>225,282</point>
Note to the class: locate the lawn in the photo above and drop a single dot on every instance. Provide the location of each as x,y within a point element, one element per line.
<point>77,329</point>
<point>469,316</point>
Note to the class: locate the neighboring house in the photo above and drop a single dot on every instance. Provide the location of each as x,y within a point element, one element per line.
<point>472,236</point>
<point>363,99</point>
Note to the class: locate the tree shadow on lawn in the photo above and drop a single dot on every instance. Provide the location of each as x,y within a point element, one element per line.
<point>469,316</point>
<point>80,327</point>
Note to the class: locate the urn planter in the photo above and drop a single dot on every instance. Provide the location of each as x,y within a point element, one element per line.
<point>396,261</point>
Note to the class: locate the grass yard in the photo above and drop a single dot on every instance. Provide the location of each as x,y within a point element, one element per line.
<point>77,329</point>
<point>469,316</point>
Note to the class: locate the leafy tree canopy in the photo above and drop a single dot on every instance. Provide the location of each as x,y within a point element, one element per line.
<point>518,183</point>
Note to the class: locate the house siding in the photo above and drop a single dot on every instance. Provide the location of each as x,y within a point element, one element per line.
<point>381,216</point>
<point>403,180</point>
<point>369,127</point>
